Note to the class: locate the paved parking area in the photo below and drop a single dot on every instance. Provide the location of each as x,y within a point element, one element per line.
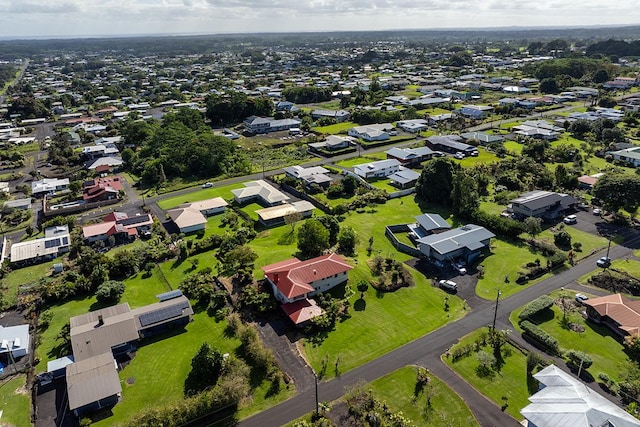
<point>52,407</point>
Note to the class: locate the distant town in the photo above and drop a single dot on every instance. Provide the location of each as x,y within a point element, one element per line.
<point>406,228</point>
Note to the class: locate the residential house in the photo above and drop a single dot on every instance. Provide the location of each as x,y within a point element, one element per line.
<point>24,204</point>
<point>563,400</point>
<point>15,342</point>
<point>49,186</point>
<point>427,224</point>
<point>313,175</point>
<point>55,242</point>
<point>465,243</point>
<point>101,189</point>
<point>337,115</point>
<point>539,129</point>
<point>450,144</point>
<point>332,143</point>
<point>619,313</point>
<point>630,156</point>
<point>404,178</point>
<point>104,164</point>
<point>586,182</point>
<point>379,169</point>
<point>119,225</point>
<point>410,156</point>
<point>436,119</point>
<point>4,187</point>
<point>261,125</point>
<point>98,336</point>
<point>476,112</point>
<point>413,126</point>
<point>260,191</point>
<point>191,217</point>
<point>276,215</point>
<point>373,132</point>
<point>546,205</point>
<point>482,137</point>
<point>100,150</point>
<point>284,106</point>
<point>294,281</point>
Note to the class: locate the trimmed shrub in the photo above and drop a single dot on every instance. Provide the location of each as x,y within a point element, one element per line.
<point>536,306</point>
<point>548,342</point>
<point>576,358</point>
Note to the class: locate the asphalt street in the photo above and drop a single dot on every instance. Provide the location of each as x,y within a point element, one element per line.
<point>427,350</point>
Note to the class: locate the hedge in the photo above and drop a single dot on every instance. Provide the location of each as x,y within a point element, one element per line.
<point>536,306</point>
<point>575,358</point>
<point>540,336</point>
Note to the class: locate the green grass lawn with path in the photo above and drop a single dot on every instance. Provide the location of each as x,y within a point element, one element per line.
<point>484,156</point>
<point>598,341</point>
<point>15,402</point>
<point>203,194</point>
<point>371,157</point>
<point>510,382</point>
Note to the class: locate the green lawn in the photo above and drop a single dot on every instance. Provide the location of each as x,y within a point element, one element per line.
<point>372,157</point>
<point>24,276</point>
<point>447,408</point>
<point>484,156</point>
<point>384,184</point>
<point>336,128</point>
<point>513,147</point>
<point>589,241</point>
<point>15,402</point>
<point>205,193</point>
<point>597,341</point>
<point>510,382</point>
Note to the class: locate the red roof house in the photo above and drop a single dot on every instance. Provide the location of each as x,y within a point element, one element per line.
<point>293,281</point>
<point>620,314</point>
<point>100,189</point>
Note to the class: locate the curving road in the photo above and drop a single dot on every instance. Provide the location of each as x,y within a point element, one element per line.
<point>426,351</point>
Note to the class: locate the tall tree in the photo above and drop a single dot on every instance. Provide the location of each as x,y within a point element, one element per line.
<point>206,367</point>
<point>436,181</point>
<point>464,194</point>
<point>313,238</point>
<point>618,191</point>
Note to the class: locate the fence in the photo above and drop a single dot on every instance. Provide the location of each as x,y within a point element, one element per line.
<point>77,208</point>
<point>402,247</point>
<point>402,193</point>
<point>305,196</point>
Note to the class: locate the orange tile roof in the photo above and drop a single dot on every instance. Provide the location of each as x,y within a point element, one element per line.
<point>302,311</point>
<point>294,277</point>
<point>624,311</point>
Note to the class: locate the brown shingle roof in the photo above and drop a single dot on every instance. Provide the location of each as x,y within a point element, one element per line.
<point>624,311</point>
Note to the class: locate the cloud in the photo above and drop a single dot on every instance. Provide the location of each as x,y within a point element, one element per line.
<point>20,6</point>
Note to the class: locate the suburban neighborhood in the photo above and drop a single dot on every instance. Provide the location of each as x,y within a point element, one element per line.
<point>385,230</point>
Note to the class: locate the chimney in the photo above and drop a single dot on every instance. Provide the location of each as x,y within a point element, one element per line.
<point>100,320</point>
<point>315,271</point>
<point>275,278</point>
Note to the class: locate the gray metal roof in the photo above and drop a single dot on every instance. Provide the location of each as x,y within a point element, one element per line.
<point>537,199</point>
<point>470,236</point>
<point>432,221</point>
<point>91,380</point>
<point>404,176</point>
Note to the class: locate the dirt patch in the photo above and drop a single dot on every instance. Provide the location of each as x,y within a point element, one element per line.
<point>131,381</point>
<point>22,390</point>
<point>576,327</point>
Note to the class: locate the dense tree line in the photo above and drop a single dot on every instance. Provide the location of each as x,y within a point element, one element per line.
<point>306,94</point>
<point>235,107</point>
<point>574,68</point>
<point>7,72</point>
<point>182,146</point>
<point>614,48</point>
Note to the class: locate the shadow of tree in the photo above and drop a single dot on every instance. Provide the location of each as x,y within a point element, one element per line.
<point>360,305</point>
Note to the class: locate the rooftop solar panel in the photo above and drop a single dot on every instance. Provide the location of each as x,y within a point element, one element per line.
<point>169,295</point>
<point>161,315</point>
<point>134,220</point>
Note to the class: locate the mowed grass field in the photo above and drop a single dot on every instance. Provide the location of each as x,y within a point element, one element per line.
<point>203,194</point>
<point>15,402</point>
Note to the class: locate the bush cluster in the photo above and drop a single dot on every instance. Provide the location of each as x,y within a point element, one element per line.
<point>498,224</point>
<point>536,306</point>
<point>577,358</point>
<point>540,336</point>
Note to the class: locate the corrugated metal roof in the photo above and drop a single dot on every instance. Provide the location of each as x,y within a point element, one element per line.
<point>470,236</point>
<point>91,380</point>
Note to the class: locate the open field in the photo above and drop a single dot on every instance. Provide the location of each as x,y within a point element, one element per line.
<point>338,128</point>
<point>205,193</point>
<point>372,157</point>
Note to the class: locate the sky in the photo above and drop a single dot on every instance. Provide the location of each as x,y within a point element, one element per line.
<point>67,18</point>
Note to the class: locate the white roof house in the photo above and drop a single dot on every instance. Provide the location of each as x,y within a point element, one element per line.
<point>261,190</point>
<point>48,185</point>
<point>381,168</point>
<point>56,241</point>
<point>14,339</point>
<point>564,401</point>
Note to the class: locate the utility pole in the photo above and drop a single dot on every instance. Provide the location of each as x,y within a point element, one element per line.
<point>495,312</point>
<point>315,376</point>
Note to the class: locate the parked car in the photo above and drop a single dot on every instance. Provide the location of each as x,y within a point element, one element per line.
<point>459,155</point>
<point>571,219</point>
<point>438,154</point>
<point>475,153</point>
<point>597,211</point>
<point>460,267</point>
<point>207,185</point>
<point>448,285</point>
<point>603,262</point>
<point>580,298</point>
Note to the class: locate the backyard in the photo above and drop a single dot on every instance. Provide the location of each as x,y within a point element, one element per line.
<point>15,403</point>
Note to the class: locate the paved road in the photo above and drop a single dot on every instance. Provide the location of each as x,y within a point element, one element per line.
<point>426,351</point>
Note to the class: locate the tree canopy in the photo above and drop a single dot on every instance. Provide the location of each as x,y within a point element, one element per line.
<point>436,181</point>
<point>313,238</point>
<point>618,191</point>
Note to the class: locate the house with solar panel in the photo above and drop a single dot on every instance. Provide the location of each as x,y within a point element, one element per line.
<point>119,225</point>
<point>294,282</point>
<point>56,241</point>
<point>101,339</point>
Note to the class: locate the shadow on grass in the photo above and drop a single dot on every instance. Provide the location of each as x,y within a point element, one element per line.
<point>360,304</point>
<point>532,384</point>
<point>287,238</point>
<point>484,372</point>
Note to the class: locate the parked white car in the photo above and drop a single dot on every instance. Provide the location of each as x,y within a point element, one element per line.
<point>448,285</point>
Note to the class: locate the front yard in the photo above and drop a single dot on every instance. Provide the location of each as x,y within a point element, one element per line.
<point>15,402</point>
